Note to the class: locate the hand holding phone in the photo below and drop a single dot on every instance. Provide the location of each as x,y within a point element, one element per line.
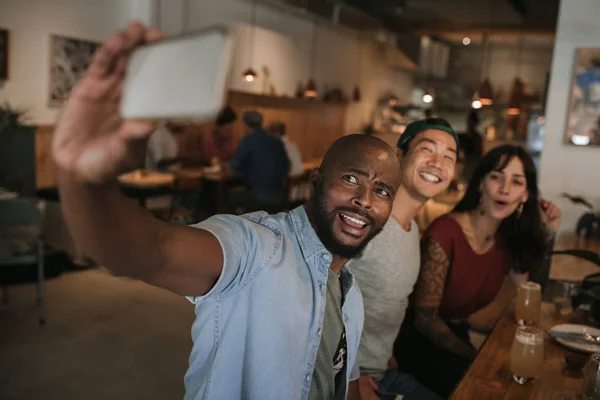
<point>102,131</point>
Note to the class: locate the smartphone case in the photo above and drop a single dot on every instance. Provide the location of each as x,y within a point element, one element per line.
<point>181,78</point>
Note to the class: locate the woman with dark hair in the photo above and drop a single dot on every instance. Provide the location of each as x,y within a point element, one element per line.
<point>500,228</point>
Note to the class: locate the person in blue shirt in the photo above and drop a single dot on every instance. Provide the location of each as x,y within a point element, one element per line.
<point>262,161</point>
<point>278,313</point>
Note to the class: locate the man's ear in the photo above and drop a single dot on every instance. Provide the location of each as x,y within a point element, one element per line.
<point>399,153</point>
<point>315,177</point>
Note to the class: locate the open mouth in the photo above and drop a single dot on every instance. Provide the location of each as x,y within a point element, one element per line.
<point>430,177</point>
<point>500,203</point>
<point>353,224</point>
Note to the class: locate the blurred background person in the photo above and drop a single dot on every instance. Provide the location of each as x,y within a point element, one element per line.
<point>217,144</point>
<point>291,149</point>
<point>162,147</point>
<point>262,162</point>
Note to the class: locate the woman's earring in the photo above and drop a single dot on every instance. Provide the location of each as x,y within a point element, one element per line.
<point>520,210</point>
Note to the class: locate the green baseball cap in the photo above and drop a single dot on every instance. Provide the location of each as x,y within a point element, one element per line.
<point>416,127</point>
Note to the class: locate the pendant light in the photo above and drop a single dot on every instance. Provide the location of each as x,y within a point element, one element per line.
<point>311,86</point>
<point>250,75</point>
<point>428,97</point>
<point>356,95</point>
<point>485,91</point>
<point>516,95</point>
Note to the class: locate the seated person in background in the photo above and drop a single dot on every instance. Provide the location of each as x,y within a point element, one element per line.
<point>261,160</point>
<point>162,147</point>
<point>293,154</point>
<point>388,268</point>
<point>472,142</point>
<point>218,143</point>
<point>501,227</point>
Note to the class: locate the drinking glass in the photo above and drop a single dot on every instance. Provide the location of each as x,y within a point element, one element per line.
<point>561,296</point>
<point>527,354</point>
<point>591,378</point>
<point>529,303</point>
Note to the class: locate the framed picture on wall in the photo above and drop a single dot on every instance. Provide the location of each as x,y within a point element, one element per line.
<point>3,54</point>
<point>69,59</point>
<point>583,122</point>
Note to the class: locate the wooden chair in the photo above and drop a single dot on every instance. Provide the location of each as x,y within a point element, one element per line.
<point>298,190</point>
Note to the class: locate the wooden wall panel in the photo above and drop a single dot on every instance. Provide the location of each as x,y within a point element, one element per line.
<point>189,142</point>
<point>44,168</point>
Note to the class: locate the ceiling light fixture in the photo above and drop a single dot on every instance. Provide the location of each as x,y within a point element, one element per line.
<point>485,92</point>
<point>311,86</point>
<point>250,75</point>
<point>356,95</point>
<point>516,95</point>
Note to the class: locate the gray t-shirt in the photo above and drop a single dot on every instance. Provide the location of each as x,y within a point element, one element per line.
<point>386,273</point>
<point>331,357</point>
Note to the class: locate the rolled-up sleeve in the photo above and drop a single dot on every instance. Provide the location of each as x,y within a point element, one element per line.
<point>244,244</point>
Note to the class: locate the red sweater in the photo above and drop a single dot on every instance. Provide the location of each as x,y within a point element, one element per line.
<point>473,280</point>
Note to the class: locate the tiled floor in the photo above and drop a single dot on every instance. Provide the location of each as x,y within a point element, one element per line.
<point>104,338</point>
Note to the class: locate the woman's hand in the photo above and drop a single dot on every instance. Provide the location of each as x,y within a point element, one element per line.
<point>368,388</point>
<point>551,215</point>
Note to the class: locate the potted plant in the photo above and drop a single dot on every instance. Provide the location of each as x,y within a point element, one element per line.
<point>17,150</point>
<point>588,224</point>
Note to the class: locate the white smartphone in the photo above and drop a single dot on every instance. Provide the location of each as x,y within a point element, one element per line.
<point>180,78</point>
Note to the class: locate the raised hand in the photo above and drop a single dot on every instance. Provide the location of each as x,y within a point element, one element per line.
<point>91,142</point>
<point>551,215</point>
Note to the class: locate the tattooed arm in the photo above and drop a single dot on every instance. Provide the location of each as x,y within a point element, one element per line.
<point>428,296</point>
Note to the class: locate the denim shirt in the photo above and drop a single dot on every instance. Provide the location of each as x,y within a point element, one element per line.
<point>257,331</point>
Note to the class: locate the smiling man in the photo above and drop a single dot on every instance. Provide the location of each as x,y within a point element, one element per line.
<point>389,266</point>
<point>278,315</point>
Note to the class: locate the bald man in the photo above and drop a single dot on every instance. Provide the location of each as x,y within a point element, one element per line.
<point>278,315</point>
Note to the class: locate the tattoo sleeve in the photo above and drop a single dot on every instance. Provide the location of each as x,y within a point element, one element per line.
<point>428,296</point>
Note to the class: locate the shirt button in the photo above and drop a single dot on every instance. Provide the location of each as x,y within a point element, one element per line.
<point>319,331</point>
<point>326,257</point>
<point>307,377</point>
<point>321,287</point>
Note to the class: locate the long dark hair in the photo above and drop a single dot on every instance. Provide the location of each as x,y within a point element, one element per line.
<point>523,236</point>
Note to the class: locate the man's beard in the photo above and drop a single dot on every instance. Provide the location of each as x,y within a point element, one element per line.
<point>323,221</point>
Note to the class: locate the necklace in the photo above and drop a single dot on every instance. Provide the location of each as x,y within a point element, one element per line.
<point>474,237</point>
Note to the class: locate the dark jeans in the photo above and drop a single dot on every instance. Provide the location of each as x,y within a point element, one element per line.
<point>396,382</point>
<point>433,366</point>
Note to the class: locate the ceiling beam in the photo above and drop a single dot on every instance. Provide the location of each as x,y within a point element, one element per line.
<point>472,30</point>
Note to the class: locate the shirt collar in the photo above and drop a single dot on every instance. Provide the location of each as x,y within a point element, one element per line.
<point>311,244</point>
<point>307,237</point>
